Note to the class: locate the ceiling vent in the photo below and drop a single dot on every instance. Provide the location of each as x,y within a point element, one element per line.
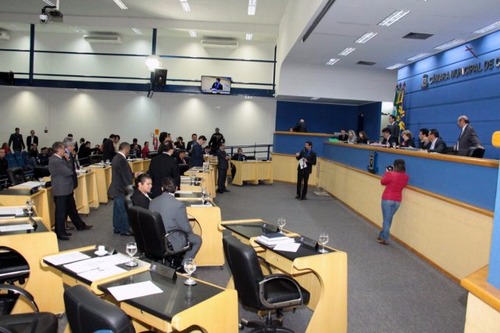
<point>417,35</point>
<point>4,35</point>
<point>366,63</point>
<point>103,38</point>
<point>226,43</point>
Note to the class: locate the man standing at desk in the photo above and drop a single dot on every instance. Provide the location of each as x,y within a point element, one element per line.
<point>467,138</point>
<point>174,216</point>
<point>16,139</point>
<point>306,158</point>
<point>162,166</point>
<point>196,159</point>
<point>222,166</point>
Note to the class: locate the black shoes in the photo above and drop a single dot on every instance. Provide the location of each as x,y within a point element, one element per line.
<point>381,241</point>
<point>220,191</point>
<point>69,227</point>
<point>297,197</point>
<point>86,227</point>
<point>128,233</point>
<point>62,237</point>
<point>226,190</point>
<point>303,198</point>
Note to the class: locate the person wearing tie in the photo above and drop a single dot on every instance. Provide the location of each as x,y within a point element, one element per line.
<point>306,158</point>
<point>467,138</point>
<point>30,140</point>
<point>216,86</point>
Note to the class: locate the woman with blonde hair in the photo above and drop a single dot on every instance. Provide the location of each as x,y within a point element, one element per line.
<point>407,139</point>
<point>351,137</point>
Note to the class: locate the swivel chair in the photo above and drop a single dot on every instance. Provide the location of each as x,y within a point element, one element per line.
<point>166,247</point>
<point>16,176</point>
<point>133,220</point>
<point>27,322</point>
<point>476,152</point>
<point>267,294</point>
<point>88,313</point>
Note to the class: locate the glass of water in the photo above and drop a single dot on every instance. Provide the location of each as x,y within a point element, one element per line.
<point>189,267</point>
<point>29,206</point>
<point>323,239</point>
<point>131,248</point>
<point>281,223</point>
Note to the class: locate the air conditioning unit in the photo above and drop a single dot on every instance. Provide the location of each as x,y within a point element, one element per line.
<point>103,38</point>
<point>220,43</point>
<point>4,35</point>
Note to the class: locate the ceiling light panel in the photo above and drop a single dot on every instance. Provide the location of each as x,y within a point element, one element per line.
<point>449,44</point>
<point>120,4</point>
<point>395,66</point>
<point>366,37</point>
<point>332,62</point>
<point>48,2</point>
<point>347,51</point>
<point>249,36</point>
<point>193,33</point>
<point>418,56</point>
<point>393,18</point>
<point>488,28</point>
<point>252,7</point>
<point>137,31</point>
<point>185,6</point>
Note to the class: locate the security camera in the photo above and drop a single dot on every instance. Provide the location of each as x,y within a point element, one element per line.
<point>44,18</point>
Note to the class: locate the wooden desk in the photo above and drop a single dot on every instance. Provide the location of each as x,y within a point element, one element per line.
<point>103,180</point>
<point>139,164</point>
<point>180,307</point>
<point>208,179</point>
<point>323,275</point>
<point>44,204</point>
<point>253,172</point>
<point>86,194</point>
<point>45,285</point>
<point>207,221</point>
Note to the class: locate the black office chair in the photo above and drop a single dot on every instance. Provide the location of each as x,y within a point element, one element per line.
<point>95,159</point>
<point>27,322</point>
<point>476,152</point>
<point>41,171</point>
<point>271,293</point>
<point>165,247</point>
<point>16,176</point>
<point>88,313</point>
<point>128,198</point>
<point>133,220</point>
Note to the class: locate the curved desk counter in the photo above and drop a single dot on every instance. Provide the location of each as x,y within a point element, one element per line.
<point>447,211</point>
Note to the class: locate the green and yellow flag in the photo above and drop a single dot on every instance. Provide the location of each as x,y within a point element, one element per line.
<point>398,110</point>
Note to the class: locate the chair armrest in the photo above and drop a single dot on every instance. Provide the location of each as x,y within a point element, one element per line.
<point>263,262</point>
<point>291,302</point>
<point>169,250</point>
<point>22,292</point>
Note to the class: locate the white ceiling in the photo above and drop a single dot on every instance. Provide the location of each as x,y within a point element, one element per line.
<point>346,21</point>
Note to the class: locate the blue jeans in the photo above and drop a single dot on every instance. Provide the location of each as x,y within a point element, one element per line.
<point>389,208</point>
<point>120,218</point>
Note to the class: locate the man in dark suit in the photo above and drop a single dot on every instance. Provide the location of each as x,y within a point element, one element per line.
<point>197,152</point>
<point>4,165</point>
<point>468,137</point>
<point>194,138</point>
<point>343,135</point>
<point>300,126</point>
<point>162,166</point>
<point>108,148</point>
<point>174,216</point>
<point>437,145</point>
<point>394,128</point>
<point>31,139</point>
<point>389,139</point>
<point>222,166</point>
<point>216,140</point>
<point>69,154</point>
<point>16,139</point>
<point>143,186</point>
<point>62,189</point>
<point>121,177</point>
<point>423,136</point>
<point>306,158</point>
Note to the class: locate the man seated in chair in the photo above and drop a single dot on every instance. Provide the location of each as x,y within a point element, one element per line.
<point>174,216</point>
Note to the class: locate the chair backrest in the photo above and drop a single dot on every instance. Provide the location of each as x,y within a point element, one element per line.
<point>16,176</point>
<point>244,265</point>
<point>476,152</point>
<point>133,219</point>
<point>88,313</point>
<point>95,159</point>
<point>153,232</point>
<point>41,171</point>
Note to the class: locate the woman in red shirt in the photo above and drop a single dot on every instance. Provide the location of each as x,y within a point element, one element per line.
<point>395,181</point>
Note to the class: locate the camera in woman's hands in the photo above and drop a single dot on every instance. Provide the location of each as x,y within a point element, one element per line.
<point>389,168</point>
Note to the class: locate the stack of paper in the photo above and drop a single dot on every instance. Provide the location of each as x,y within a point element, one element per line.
<point>274,239</point>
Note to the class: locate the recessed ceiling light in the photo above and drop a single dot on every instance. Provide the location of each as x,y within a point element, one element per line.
<point>393,18</point>
<point>48,2</point>
<point>249,36</point>
<point>332,62</point>
<point>137,31</point>
<point>120,4</point>
<point>185,6</point>
<point>193,33</point>
<point>418,56</point>
<point>346,51</point>
<point>395,66</point>
<point>252,7</point>
<point>488,28</point>
<point>315,98</point>
<point>78,29</point>
<point>366,37</point>
<point>449,44</point>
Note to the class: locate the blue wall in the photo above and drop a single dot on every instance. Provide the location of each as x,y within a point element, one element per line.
<point>328,118</point>
<point>475,94</point>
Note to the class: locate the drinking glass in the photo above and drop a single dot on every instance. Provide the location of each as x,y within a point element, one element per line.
<point>40,180</point>
<point>189,267</point>
<point>193,177</point>
<point>131,251</point>
<point>29,206</point>
<point>203,195</point>
<point>281,223</point>
<point>323,239</point>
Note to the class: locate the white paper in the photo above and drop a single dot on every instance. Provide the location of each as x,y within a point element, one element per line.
<point>98,262</point>
<point>287,247</point>
<point>303,163</point>
<point>26,185</point>
<point>134,290</point>
<point>64,258</point>
<point>13,211</point>
<point>16,227</point>
<point>200,205</point>
<point>184,192</point>
<point>101,273</point>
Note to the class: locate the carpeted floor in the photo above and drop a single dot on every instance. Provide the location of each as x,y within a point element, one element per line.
<point>390,289</point>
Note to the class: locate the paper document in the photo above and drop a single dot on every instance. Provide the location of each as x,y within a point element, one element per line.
<point>134,290</point>
<point>26,185</point>
<point>11,211</point>
<point>184,192</point>
<point>274,241</point>
<point>65,258</point>
<point>98,262</point>
<point>101,273</point>
<point>287,247</point>
<point>15,227</point>
<point>303,163</point>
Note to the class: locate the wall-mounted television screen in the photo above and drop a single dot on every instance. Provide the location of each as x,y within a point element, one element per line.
<point>215,85</point>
